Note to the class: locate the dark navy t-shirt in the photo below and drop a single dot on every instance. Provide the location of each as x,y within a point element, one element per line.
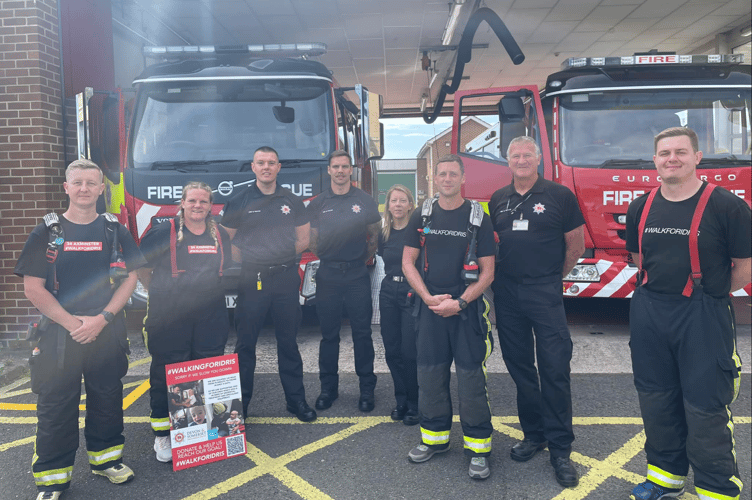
<point>447,243</point>
<point>391,251</point>
<point>82,265</point>
<point>197,260</point>
<point>724,234</point>
<point>341,222</point>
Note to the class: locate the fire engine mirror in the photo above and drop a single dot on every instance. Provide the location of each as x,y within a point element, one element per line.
<point>511,109</point>
<point>284,114</point>
<point>371,106</point>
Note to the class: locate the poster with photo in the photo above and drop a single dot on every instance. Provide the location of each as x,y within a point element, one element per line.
<point>206,416</point>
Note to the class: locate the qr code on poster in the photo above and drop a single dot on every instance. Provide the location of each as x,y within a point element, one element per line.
<point>235,445</point>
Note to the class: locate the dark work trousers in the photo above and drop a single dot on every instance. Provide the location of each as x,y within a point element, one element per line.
<point>399,336</point>
<point>103,363</point>
<point>466,339</point>
<point>175,334</point>
<point>351,289</point>
<point>686,371</point>
<point>524,310</point>
<point>280,293</point>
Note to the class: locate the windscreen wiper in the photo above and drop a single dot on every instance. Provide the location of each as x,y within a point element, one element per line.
<point>730,160</point>
<point>185,165</point>
<point>639,162</point>
<point>298,162</point>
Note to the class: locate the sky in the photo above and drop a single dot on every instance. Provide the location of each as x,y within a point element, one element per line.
<point>403,137</point>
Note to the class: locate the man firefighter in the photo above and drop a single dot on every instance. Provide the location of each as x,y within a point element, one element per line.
<point>79,271</point>
<point>448,260</point>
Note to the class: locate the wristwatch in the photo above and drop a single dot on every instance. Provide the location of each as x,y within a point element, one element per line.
<point>108,316</point>
<point>462,303</point>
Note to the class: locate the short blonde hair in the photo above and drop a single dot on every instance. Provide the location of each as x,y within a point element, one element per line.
<point>82,164</point>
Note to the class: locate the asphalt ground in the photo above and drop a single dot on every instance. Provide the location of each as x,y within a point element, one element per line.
<point>347,454</point>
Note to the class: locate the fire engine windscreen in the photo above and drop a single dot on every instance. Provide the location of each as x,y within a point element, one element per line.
<point>616,129</point>
<point>219,125</point>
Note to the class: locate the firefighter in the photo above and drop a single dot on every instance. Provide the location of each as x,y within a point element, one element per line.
<point>186,313</point>
<point>541,236</point>
<point>452,317</point>
<point>269,226</point>
<point>691,241</point>
<point>344,234</point>
<point>67,265</point>
<point>397,324</point>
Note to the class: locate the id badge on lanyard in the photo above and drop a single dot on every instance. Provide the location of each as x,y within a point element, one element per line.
<point>520,224</point>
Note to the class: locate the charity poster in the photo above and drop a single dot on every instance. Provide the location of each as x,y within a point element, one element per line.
<point>205,405</point>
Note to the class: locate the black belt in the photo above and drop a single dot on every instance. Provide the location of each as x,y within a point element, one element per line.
<point>397,278</point>
<point>343,265</point>
<point>553,278</point>
<point>267,271</point>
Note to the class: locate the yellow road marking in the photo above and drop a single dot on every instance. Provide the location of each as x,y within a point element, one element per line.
<point>19,442</point>
<point>13,385</point>
<point>139,362</point>
<point>273,464</point>
<point>285,476</point>
<point>135,394</point>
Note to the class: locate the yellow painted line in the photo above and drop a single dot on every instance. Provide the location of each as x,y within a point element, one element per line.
<point>27,406</point>
<point>15,393</point>
<point>605,469</point>
<point>83,396</point>
<point>135,394</point>
<point>33,420</point>
<point>272,465</point>
<point>303,488</point>
<point>13,444</point>
<point>13,385</point>
<point>18,420</point>
<point>139,362</point>
<point>136,420</point>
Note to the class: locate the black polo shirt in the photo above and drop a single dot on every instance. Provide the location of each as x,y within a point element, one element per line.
<point>341,222</point>
<point>550,210</point>
<point>265,225</point>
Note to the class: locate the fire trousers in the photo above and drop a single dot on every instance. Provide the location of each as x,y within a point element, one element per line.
<point>175,334</point>
<point>687,373</point>
<point>103,363</point>
<point>466,339</point>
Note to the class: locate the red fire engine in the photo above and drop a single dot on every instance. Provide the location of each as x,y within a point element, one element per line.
<point>201,112</point>
<point>595,121</point>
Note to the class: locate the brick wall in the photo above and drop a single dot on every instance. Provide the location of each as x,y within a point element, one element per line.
<point>442,146</point>
<point>31,155</point>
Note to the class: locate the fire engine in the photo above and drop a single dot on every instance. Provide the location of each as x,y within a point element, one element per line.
<point>595,121</point>
<point>201,112</point>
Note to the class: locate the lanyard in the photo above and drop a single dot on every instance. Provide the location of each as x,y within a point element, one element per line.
<point>513,210</point>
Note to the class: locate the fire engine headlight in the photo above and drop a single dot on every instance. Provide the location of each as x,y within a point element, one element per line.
<point>621,219</point>
<point>308,290</point>
<point>583,272</point>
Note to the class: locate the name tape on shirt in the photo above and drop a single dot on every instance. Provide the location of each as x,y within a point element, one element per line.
<point>82,246</point>
<point>202,249</point>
